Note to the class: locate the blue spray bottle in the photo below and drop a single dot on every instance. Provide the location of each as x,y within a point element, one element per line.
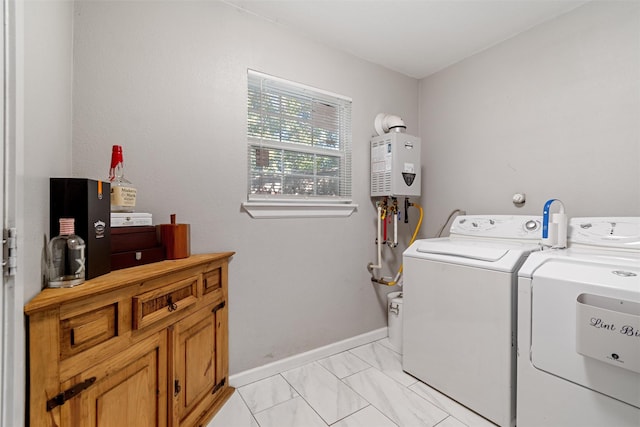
<point>554,232</point>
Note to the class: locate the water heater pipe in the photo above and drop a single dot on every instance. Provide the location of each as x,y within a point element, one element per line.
<point>385,122</point>
<point>384,224</point>
<point>378,243</point>
<point>413,239</point>
<point>395,229</point>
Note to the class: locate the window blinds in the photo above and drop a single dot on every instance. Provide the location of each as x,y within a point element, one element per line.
<point>299,141</point>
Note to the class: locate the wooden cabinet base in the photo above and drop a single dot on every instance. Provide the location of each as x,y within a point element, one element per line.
<point>143,346</point>
<point>207,415</point>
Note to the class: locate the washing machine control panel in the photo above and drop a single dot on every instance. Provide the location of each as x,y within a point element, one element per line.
<point>498,226</point>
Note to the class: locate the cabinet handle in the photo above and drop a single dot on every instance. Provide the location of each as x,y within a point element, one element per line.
<point>61,398</point>
<point>219,306</point>
<point>176,387</point>
<point>171,306</point>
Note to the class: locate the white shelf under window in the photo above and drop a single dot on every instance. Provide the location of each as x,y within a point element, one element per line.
<point>277,209</point>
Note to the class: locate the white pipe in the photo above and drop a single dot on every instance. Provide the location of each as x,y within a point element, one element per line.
<point>383,123</point>
<point>397,278</point>
<point>378,242</point>
<point>395,229</point>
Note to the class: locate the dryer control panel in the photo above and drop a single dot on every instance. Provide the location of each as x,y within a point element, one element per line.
<point>614,232</point>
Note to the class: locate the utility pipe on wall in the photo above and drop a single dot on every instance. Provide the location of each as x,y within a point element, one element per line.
<point>378,243</point>
<point>397,277</point>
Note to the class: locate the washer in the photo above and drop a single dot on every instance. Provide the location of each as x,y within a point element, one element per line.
<point>579,328</point>
<point>459,310</point>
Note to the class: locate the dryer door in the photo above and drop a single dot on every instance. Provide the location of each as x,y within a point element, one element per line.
<point>578,311</point>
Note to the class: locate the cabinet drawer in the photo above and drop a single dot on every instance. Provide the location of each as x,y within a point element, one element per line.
<point>163,302</point>
<point>88,329</point>
<point>212,280</point>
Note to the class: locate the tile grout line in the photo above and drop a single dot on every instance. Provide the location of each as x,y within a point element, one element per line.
<point>406,387</point>
<point>377,369</point>
<point>279,403</point>
<point>301,396</point>
<point>247,406</point>
<point>342,381</point>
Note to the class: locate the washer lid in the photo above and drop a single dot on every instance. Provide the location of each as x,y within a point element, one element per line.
<point>482,253</point>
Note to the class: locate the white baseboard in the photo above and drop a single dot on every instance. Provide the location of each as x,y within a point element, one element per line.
<point>295,361</point>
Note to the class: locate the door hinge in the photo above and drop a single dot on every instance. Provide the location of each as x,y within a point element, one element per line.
<point>69,393</point>
<point>218,386</point>
<point>218,307</point>
<point>9,251</point>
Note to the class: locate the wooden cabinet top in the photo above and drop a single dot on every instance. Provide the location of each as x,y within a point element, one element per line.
<point>50,297</point>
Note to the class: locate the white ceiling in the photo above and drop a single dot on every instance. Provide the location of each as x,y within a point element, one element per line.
<point>414,37</point>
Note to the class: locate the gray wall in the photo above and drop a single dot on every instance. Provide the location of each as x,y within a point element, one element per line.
<point>46,108</point>
<point>167,80</point>
<point>553,113</point>
<point>43,56</point>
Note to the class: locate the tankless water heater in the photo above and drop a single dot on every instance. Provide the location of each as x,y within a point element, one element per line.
<point>395,165</point>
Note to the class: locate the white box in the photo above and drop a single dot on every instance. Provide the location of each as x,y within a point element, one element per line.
<point>395,165</point>
<point>130,219</point>
<point>608,329</point>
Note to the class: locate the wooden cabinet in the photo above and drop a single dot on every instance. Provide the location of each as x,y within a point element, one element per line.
<point>199,375</point>
<point>126,390</point>
<point>144,346</point>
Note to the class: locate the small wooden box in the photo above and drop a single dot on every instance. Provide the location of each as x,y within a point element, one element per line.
<point>138,245</point>
<point>132,258</point>
<point>133,238</point>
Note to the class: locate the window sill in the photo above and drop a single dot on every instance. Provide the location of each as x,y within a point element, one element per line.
<point>298,210</point>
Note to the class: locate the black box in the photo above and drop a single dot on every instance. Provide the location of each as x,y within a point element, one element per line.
<point>89,203</point>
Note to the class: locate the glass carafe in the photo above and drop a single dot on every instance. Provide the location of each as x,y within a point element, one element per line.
<point>66,261</point>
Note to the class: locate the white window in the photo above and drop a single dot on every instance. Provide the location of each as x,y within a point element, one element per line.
<point>299,144</point>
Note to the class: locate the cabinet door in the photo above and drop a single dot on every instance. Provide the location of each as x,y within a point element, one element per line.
<point>200,369</point>
<point>130,389</point>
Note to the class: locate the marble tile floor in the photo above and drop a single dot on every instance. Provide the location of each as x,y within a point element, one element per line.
<point>361,387</point>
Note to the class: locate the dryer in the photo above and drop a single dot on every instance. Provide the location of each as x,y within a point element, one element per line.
<point>579,328</point>
<point>459,298</point>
